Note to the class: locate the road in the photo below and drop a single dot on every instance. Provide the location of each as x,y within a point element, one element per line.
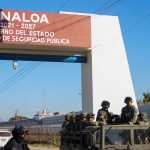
<point>42,148</point>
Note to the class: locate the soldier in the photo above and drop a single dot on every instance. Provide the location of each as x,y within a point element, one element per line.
<point>65,127</point>
<point>142,136</point>
<point>88,116</point>
<point>67,119</point>
<point>78,122</point>
<point>83,120</point>
<point>66,123</point>
<point>72,121</point>
<point>17,142</point>
<point>103,115</point>
<point>91,120</point>
<point>142,119</point>
<point>129,112</point>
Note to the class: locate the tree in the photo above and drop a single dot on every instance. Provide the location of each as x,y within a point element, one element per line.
<point>146,98</point>
<point>56,113</point>
<point>18,118</point>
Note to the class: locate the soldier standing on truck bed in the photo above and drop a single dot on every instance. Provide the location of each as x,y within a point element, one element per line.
<point>129,112</point>
<point>103,115</point>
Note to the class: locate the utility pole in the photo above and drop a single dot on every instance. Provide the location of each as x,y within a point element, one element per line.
<point>44,98</point>
<point>16,114</point>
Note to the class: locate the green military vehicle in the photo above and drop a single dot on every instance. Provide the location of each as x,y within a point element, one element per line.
<point>107,137</point>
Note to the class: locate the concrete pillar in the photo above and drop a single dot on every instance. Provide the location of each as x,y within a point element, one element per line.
<point>106,75</point>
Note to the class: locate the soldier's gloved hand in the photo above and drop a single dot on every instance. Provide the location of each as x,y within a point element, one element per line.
<point>101,123</point>
<point>130,123</point>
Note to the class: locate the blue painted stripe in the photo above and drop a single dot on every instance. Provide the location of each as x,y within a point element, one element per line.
<point>51,58</point>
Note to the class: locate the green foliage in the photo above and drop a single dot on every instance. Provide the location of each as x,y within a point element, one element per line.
<point>50,139</point>
<point>18,118</point>
<point>146,99</point>
<point>56,113</point>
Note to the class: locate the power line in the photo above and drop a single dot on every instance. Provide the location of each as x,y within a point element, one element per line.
<point>137,22</point>
<point>117,2</point>
<point>18,78</point>
<point>17,74</point>
<point>13,79</point>
<point>102,6</point>
<point>112,5</point>
<point>70,17</point>
<point>124,32</point>
<point>85,18</point>
<point>10,83</point>
<point>63,5</point>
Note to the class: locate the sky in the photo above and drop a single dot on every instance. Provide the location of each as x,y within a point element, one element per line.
<point>56,86</point>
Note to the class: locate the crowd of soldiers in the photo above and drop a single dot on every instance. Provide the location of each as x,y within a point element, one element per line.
<point>78,121</point>
<point>129,115</point>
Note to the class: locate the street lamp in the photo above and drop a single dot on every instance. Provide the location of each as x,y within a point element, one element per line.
<point>14,64</point>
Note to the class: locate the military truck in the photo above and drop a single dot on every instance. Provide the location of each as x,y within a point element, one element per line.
<point>108,137</point>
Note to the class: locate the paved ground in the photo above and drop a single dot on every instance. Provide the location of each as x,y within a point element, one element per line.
<point>42,148</point>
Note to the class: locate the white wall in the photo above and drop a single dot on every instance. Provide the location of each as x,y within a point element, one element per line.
<point>106,76</point>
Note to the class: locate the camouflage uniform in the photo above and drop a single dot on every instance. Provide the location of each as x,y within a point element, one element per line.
<point>142,119</point>
<point>129,112</point>
<point>77,122</point>
<point>142,136</point>
<point>103,115</point>
<point>83,120</point>
<point>72,122</point>
<point>90,120</point>
<point>66,123</point>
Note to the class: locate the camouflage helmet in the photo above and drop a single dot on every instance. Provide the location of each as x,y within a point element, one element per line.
<point>67,117</point>
<point>105,104</point>
<point>127,99</point>
<point>77,117</point>
<point>92,115</point>
<point>72,117</point>
<point>83,115</point>
<point>88,115</point>
<point>142,116</point>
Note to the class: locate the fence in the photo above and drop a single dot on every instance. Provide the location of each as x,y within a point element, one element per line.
<point>44,129</point>
<point>40,129</point>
